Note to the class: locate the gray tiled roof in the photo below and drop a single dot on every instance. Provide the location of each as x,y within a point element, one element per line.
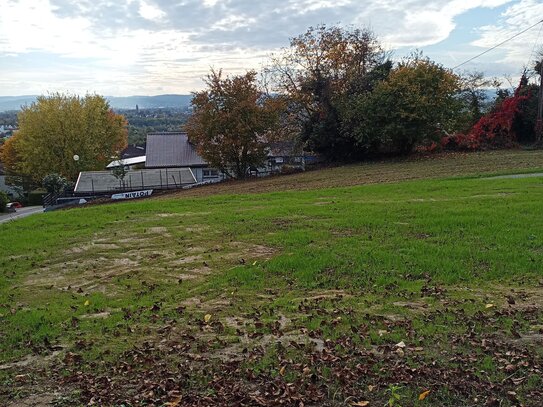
<point>171,150</point>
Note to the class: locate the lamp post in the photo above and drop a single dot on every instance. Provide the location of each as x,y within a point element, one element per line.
<point>76,159</point>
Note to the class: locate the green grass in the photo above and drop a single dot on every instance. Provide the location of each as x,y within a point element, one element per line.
<point>113,276</point>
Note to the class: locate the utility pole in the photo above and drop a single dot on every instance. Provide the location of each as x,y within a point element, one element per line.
<point>539,121</point>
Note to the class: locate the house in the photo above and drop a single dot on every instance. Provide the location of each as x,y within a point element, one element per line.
<point>6,185</point>
<point>132,151</point>
<point>132,157</point>
<point>285,156</point>
<point>174,150</point>
<point>132,163</point>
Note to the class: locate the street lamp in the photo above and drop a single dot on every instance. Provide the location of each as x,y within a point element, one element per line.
<point>76,159</point>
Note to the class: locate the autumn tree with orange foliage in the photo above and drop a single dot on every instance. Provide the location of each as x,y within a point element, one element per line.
<point>55,128</point>
<point>322,69</point>
<point>8,155</point>
<point>233,122</point>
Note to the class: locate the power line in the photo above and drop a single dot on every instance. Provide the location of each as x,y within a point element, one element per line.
<point>498,45</point>
<point>535,43</point>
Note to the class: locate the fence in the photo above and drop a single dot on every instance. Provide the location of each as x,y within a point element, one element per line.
<point>100,182</point>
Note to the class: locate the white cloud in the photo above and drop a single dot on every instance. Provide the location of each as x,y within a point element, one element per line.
<point>516,18</point>
<point>418,23</point>
<point>142,46</point>
<point>151,12</point>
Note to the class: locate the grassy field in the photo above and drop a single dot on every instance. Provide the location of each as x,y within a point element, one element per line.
<point>321,296</point>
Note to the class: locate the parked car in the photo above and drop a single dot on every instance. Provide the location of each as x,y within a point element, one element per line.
<point>13,206</point>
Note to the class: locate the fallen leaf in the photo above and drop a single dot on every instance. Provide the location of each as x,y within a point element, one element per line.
<point>282,371</point>
<point>487,306</point>
<point>254,263</point>
<point>400,345</point>
<point>207,318</point>
<point>175,402</point>
<point>86,303</point>
<point>361,403</point>
<point>424,394</point>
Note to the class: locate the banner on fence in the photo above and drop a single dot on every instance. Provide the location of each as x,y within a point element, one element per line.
<point>132,195</point>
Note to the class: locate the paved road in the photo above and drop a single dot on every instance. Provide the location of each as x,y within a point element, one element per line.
<point>531,175</point>
<point>21,213</point>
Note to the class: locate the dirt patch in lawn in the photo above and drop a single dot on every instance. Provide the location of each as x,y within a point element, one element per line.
<point>92,246</point>
<point>32,360</point>
<point>157,229</point>
<point>38,400</point>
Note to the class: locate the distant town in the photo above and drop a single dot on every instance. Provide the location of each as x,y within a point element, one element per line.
<point>144,114</point>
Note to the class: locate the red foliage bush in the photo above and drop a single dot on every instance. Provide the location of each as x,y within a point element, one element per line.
<point>494,130</point>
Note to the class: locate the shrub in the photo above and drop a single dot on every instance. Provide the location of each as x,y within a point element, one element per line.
<point>35,197</point>
<point>3,201</point>
<point>54,183</point>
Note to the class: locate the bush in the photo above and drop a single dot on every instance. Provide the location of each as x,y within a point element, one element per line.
<point>3,201</point>
<point>35,197</point>
<point>54,183</point>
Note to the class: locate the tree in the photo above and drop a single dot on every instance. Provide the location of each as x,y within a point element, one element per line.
<point>418,102</point>
<point>321,69</point>
<point>9,156</point>
<point>120,170</point>
<point>3,201</point>
<point>57,127</point>
<point>473,86</point>
<point>54,183</point>
<point>233,122</point>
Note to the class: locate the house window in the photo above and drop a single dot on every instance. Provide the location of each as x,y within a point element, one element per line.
<point>210,173</point>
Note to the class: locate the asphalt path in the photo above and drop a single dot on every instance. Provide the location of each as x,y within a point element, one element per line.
<point>20,213</point>
<point>531,175</point>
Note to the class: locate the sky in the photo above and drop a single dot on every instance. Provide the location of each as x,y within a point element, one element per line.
<point>150,47</point>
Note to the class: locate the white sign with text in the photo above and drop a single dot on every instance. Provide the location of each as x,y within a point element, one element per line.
<point>132,195</point>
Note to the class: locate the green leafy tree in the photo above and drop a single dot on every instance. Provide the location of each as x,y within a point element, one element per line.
<point>120,170</point>
<point>54,183</point>
<point>472,93</point>
<point>57,127</point>
<point>418,102</point>
<point>233,122</point>
<point>3,201</point>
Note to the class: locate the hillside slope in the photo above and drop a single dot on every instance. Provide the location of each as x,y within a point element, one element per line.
<point>428,291</point>
<point>430,167</point>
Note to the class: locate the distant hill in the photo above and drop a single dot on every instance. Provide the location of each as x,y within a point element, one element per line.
<point>116,102</point>
<point>146,102</point>
<point>15,102</point>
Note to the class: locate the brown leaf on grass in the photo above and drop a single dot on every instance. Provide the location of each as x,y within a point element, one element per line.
<point>174,403</point>
<point>360,404</point>
<point>424,394</point>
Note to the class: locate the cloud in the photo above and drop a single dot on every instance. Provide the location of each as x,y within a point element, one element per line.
<point>151,12</point>
<point>522,50</point>
<point>139,46</point>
